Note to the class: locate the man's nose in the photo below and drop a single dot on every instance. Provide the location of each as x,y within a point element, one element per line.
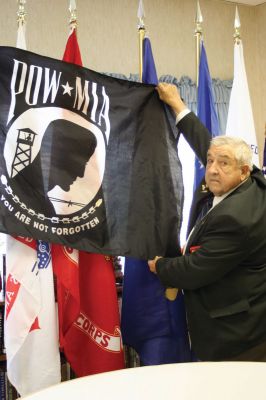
<point>213,168</point>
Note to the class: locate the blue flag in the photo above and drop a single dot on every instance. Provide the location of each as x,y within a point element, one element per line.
<point>149,74</point>
<point>154,326</point>
<point>206,109</point>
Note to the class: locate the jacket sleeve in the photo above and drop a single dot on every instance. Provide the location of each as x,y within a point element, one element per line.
<point>218,253</point>
<point>196,135</point>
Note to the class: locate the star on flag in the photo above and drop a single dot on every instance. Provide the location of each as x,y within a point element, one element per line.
<point>67,89</point>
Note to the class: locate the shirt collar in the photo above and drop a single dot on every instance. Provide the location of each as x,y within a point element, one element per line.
<point>218,199</point>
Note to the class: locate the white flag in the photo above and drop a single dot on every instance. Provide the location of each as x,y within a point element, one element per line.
<point>240,120</point>
<point>21,39</point>
<point>31,332</point>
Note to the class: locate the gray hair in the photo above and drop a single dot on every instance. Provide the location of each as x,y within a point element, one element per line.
<point>241,149</point>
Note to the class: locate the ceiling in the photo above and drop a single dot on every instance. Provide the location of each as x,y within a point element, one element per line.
<point>248,2</point>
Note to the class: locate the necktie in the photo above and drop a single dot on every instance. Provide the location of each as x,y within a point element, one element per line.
<point>205,208</point>
<point>207,205</point>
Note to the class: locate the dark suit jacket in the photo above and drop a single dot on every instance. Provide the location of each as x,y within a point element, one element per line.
<point>224,279</point>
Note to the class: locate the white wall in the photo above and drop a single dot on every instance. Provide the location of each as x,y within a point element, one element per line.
<point>108,37</point>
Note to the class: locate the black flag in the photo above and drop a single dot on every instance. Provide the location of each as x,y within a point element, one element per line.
<point>89,161</point>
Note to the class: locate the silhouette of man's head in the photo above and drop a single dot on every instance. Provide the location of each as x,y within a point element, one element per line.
<point>71,146</point>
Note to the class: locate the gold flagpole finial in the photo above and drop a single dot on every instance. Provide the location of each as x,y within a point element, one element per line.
<point>141,30</point>
<point>73,13</point>
<point>198,35</point>
<point>237,26</point>
<point>21,13</point>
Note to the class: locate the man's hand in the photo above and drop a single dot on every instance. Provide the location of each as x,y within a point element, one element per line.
<point>170,293</point>
<point>169,94</point>
<point>152,264</point>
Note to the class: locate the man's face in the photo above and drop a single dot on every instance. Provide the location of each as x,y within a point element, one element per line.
<point>222,170</point>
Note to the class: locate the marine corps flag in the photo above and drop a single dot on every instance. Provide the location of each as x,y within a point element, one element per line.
<point>86,293</point>
<point>89,161</point>
<point>93,343</point>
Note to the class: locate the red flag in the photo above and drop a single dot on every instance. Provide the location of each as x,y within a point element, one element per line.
<point>89,322</point>
<point>66,270</point>
<point>65,259</point>
<point>72,52</point>
<point>94,342</point>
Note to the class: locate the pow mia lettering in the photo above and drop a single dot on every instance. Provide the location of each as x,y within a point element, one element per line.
<point>58,129</point>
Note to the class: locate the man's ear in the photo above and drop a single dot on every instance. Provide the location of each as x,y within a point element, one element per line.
<point>245,172</point>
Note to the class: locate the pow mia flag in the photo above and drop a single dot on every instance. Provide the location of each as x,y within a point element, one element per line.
<point>89,161</point>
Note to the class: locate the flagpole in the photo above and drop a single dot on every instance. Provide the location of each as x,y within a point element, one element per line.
<point>21,20</point>
<point>141,38</point>
<point>21,13</point>
<point>73,14</point>
<point>141,35</point>
<point>198,35</point>
<point>237,26</point>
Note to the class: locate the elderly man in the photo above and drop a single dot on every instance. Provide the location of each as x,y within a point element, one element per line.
<point>223,268</point>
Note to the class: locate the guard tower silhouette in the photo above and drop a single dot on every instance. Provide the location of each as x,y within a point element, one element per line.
<point>22,156</point>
